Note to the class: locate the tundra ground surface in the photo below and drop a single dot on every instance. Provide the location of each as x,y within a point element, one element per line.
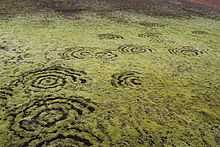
<point>121,78</point>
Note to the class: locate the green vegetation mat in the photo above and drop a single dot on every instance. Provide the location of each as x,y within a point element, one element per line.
<point>121,80</point>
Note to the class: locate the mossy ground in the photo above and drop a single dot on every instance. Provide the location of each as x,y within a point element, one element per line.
<point>176,104</point>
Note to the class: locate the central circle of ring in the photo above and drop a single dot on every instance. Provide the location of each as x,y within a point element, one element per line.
<point>48,81</point>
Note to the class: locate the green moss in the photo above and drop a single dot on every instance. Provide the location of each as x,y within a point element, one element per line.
<point>177,102</point>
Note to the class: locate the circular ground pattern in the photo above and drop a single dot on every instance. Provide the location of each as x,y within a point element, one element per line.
<point>106,55</point>
<point>200,32</point>
<point>129,79</point>
<point>53,78</point>
<point>181,68</point>
<point>47,114</point>
<point>137,80</point>
<point>151,24</point>
<point>109,36</point>
<point>69,137</point>
<point>83,53</point>
<point>186,51</point>
<point>133,49</point>
<point>77,53</point>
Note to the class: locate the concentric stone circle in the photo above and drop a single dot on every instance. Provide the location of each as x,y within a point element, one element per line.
<point>47,113</point>
<point>51,79</point>
<point>187,51</point>
<point>77,53</point>
<point>129,79</point>
<point>133,49</point>
<point>106,55</point>
<point>70,137</point>
<point>109,36</point>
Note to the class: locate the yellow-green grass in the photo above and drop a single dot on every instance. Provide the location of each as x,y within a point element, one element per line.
<point>177,103</point>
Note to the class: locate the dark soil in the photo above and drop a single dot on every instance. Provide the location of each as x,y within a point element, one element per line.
<point>172,8</point>
<point>210,3</point>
